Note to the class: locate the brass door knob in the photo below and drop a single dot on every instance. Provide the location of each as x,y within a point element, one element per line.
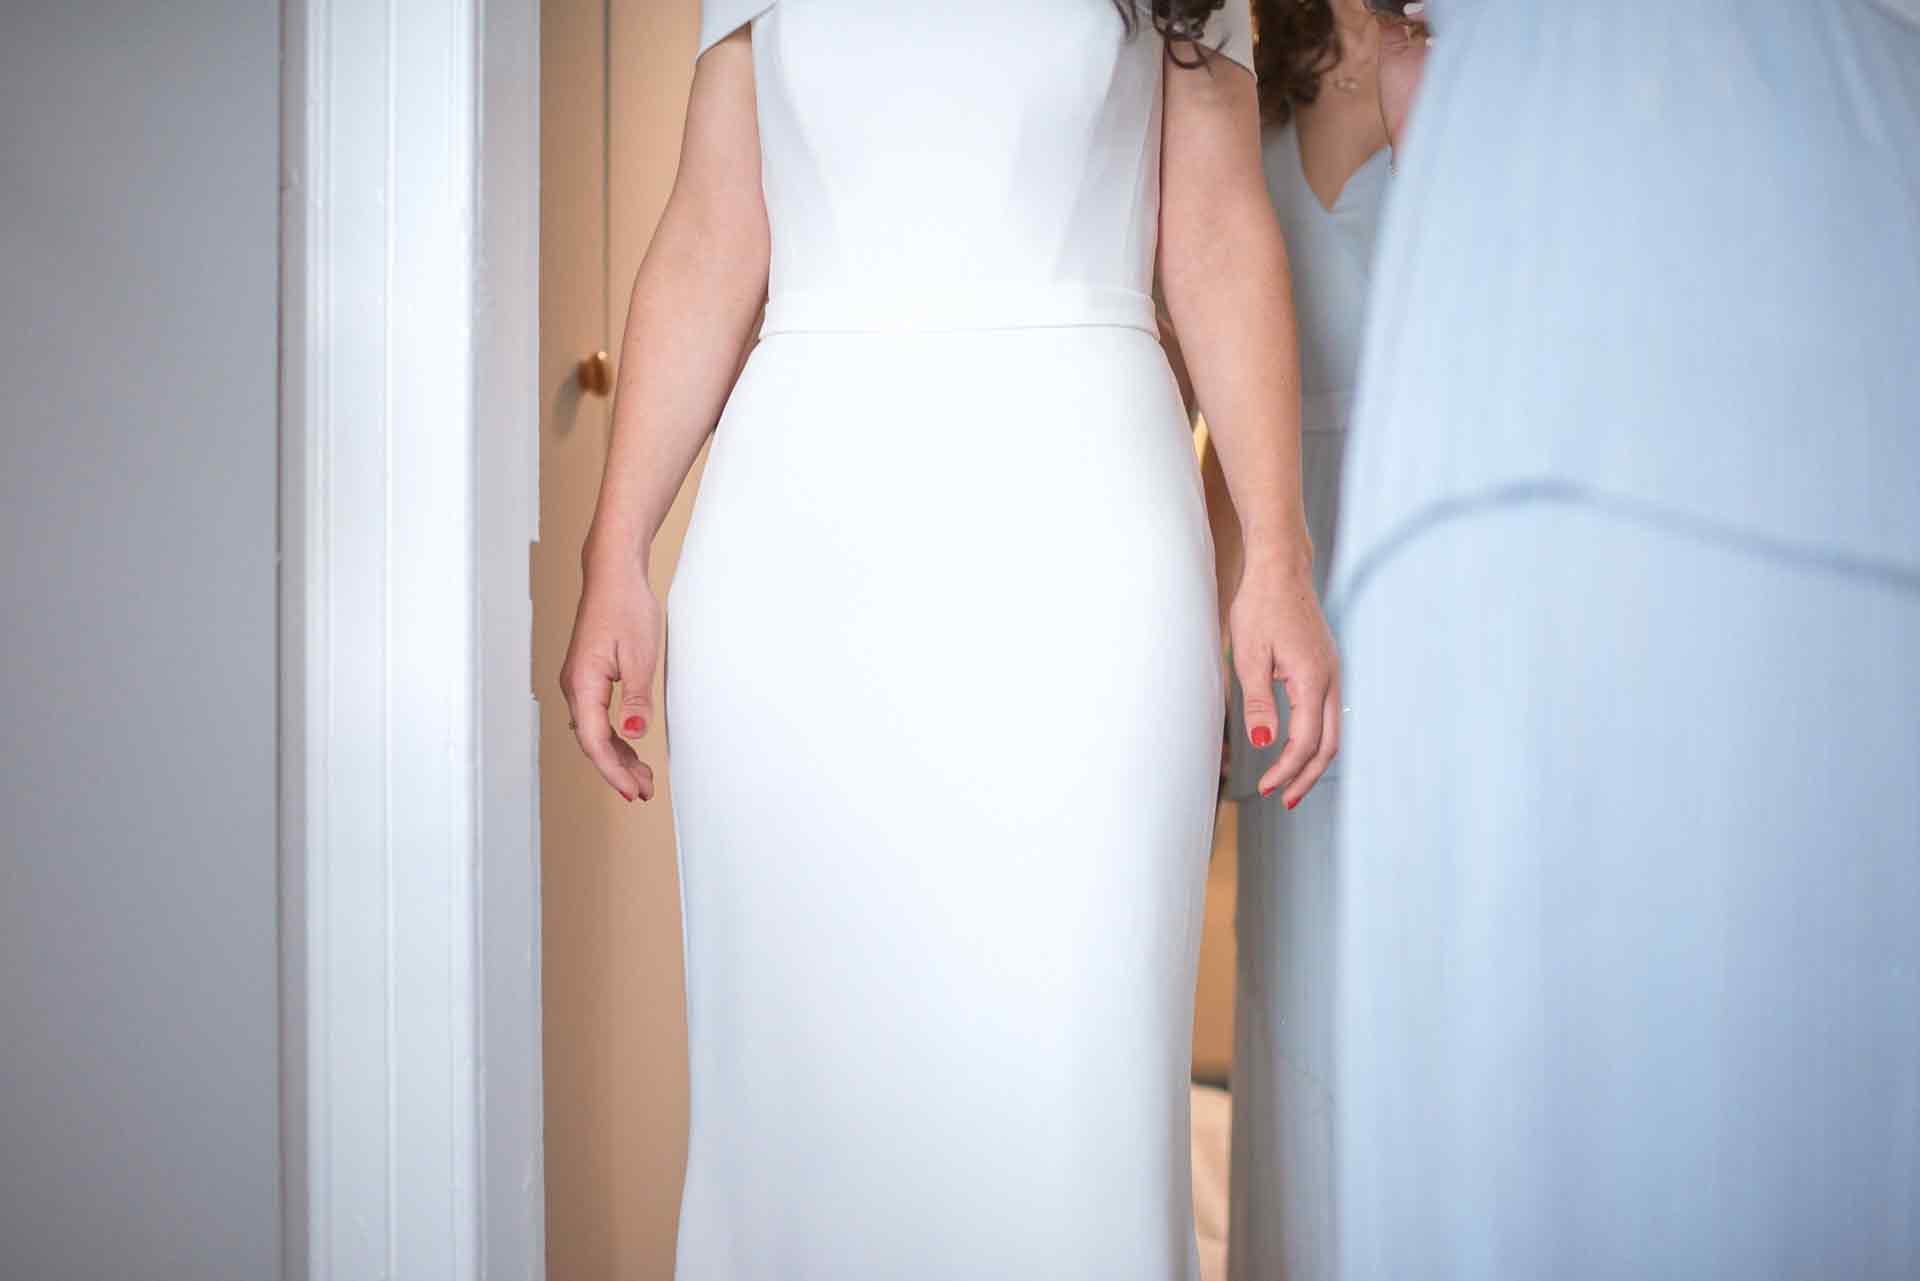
<point>595,374</point>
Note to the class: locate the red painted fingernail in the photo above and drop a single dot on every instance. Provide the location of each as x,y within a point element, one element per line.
<point>1261,736</point>
<point>633,725</point>
<point>1295,801</point>
<point>1267,791</point>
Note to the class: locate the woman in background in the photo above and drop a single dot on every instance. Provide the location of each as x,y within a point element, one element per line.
<point>1325,152</point>
<point>1629,593</point>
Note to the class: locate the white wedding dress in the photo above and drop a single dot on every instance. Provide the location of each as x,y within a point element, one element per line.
<point>943,678</point>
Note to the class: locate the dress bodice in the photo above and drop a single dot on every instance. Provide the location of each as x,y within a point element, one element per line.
<point>1329,256</point>
<point>946,161</point>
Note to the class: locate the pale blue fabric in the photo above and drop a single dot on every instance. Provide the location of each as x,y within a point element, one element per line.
<point>1628,910</point>
<point>1676,244</point>
<point>1282,1222</point>
<point>1629,878</point>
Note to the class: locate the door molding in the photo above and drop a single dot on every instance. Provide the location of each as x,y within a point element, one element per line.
<point>411,1106</point>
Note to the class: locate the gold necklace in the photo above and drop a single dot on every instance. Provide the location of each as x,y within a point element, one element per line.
<point>1352,41</point>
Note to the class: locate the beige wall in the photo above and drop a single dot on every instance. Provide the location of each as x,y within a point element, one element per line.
<point>615,1037</point>
<point>615,1040</point>
<point>1213,1001</point>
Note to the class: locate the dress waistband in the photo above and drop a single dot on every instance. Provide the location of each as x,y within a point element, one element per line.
<point>948,308</point>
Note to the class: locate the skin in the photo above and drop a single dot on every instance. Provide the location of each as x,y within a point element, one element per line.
<point>1338,132</point>
<point>695,300</point>
<point>1403,60</point>
<point>1223,274</point>
<point>1341,130</point>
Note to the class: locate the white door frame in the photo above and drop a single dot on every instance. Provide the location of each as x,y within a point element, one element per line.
<point>409,851</point>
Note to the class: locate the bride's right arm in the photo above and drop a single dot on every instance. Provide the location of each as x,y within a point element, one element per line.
<point>694,301</point>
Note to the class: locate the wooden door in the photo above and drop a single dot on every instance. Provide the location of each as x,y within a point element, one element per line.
<point>615,75</point>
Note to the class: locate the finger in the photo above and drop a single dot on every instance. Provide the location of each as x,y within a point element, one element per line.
<point>618,763</point>
<point>634,769</point>
<point>635,713</point>
<point>1305,703</point>
<point>1332,734</point>
<point>1323,759</point>
<point>634,660</point>
<point>1254,667</point>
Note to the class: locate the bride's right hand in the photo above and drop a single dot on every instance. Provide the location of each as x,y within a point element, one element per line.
<point>616,633</point>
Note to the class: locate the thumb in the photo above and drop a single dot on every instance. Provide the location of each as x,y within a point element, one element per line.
<point>1254,667</point>
<point>633,716</point>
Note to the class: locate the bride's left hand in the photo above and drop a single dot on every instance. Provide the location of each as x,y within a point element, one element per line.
<point>1280,638</point>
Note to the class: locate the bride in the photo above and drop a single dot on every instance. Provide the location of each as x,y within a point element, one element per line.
<point>939,970</point>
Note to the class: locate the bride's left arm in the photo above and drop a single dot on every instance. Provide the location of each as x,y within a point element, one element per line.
<point>1223,269</point>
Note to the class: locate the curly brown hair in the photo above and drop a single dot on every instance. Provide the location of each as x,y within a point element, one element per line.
<point>1181,23</point>
<point>1298,44</point>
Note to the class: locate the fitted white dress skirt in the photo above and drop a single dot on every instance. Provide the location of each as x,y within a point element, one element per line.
<point>943,669</point>
<point>943,711</point>
<point>1629,893</point>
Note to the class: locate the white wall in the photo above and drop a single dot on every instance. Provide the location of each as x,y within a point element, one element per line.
<point>138,960</point>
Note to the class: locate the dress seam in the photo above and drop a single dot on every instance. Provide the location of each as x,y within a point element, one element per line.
<point>1352,578</point>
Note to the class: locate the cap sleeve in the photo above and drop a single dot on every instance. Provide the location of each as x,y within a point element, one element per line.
<point>1229,29</point>
<point>721,18</point>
